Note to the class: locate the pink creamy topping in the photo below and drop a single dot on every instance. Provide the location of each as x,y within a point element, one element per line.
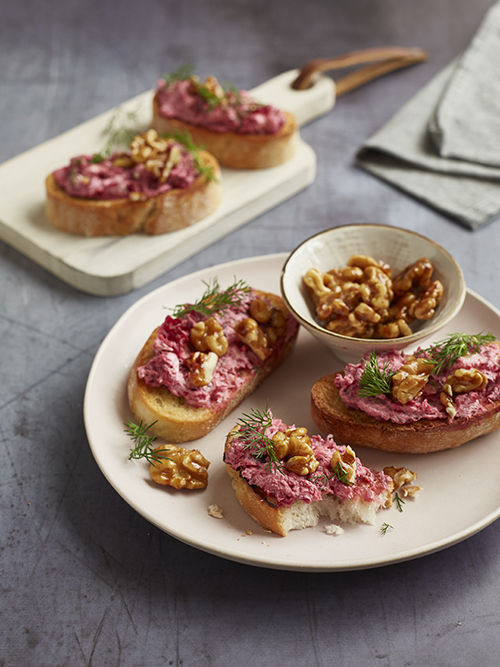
<point>103,180</point>
<point>286,487</point>
<point>172,347</point>
<point>240,113</point>
<point>428,404</point>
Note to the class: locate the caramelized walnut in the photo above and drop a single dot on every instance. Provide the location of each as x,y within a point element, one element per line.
<point>362,300</point>
<point>208,335</point>
<point>459,382</point>
<point>347,461</point>
<point>252,335</point>
<point>180,467</point>
<point>294,445</point>
<point>201,366</point>
<point>410,379</point>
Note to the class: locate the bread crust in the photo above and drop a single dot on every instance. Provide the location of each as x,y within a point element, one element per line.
<point>356,428</point>
<point>237,151</point>
<point>178,422</point>
<point>175,209</point>
<point>280,520</point>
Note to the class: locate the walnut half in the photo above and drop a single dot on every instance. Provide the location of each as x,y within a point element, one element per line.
<point>180,467</point>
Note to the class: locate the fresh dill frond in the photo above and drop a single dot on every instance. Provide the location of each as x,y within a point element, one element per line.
<point>399,502</point>
<point>183,72</point>
<point>385,528</point>
<point>375,380</point>
<point>252,432</point>
<point>143,443</point>
<point>213,300</point>
<point>120,130</point>
<point>341,474</point>
<point>445,352</point>
<point>184,138</point>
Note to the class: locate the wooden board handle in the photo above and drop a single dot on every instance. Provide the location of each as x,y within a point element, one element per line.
<point>382,60</point>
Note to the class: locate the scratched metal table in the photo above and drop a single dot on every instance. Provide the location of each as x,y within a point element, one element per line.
<point>85,579</point>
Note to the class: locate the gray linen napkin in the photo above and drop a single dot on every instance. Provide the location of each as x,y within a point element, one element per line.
<point>443,146</point>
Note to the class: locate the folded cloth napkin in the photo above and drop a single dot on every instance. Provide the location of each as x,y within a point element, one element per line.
<point>443,146</point>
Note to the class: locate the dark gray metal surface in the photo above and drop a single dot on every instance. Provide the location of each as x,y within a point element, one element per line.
<point>85,580</point>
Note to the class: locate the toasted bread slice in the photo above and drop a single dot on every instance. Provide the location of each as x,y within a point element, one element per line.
<point>359,429</point>
<point>237,151</point>
<point>178,422</point>
<point>264,509</point>
<point>175,209</point>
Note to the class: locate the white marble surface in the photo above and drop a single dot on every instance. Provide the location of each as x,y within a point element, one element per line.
<point>86,580</point>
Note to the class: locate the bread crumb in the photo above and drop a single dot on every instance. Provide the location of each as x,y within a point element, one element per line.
<point>249,532</point>
<point>333,530</point>
<point>215,511</point>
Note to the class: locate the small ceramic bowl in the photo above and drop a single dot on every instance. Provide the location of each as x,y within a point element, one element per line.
<point>398,248</point>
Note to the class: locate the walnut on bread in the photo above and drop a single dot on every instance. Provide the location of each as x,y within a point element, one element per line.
<point>197,367</point>
<point>161,184</point>
<point>283,495</point>
<point>238,130</point>
<point>434,399</point>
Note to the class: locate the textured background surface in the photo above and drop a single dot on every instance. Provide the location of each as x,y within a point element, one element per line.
<point>87,581</point>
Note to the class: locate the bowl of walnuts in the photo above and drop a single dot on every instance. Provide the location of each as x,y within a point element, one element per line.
<point>368,287</point>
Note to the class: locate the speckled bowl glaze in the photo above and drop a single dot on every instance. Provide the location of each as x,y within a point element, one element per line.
<point>399,248</point>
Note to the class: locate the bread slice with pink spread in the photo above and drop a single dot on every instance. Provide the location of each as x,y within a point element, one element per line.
<point>286,480</point>
<point>206,358</point>
<point>435,399</point>
<point>238,130</point>
<point>160,185</point>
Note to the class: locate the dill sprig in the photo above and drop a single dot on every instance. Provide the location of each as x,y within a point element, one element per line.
<point>339,472</point>
<point>183,72</point>
<point>252,432</point>
<point>119,131</point>
<point>385,528</point>
<point>213,300</point>
<point>445,352</point>
<point>375,380</point>
<point>143,443</point>
<point>186,140</point>
<point>399,502</point>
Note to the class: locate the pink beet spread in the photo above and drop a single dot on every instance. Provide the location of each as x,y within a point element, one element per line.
<point>105,181</point>
<point>240,113</point>
<point>287,487</point>
<point>427,405</point>
<point>172,347</point>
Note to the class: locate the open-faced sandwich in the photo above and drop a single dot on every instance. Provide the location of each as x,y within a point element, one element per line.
<point>285,479</point>
<point>207,357</point>
<point>159,185</point>
<point>436,398</point>
<point>229,123</point>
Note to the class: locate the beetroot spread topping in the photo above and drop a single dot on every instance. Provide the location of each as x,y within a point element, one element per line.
<point>208,105</point>
<point>428,403</point>
<point>174,351</point>
<point>285,487</point>
<point>152,167</point>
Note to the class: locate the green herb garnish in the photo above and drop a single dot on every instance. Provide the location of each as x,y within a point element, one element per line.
<point>213,300</point>
<point>182,73</point>
<point>119,131</point>
<point>341,474</point>
<point>399,502</point>
<point>444,353</point>
<point>143,443</point>
<point>375,380</point>
<point>252,432</point>
<point>186,140</point>
<point>386,527</point>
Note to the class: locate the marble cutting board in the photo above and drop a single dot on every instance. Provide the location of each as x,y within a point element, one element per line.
<point>108,266</point>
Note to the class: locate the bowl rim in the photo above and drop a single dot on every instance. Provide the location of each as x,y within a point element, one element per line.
<point>412,338</point>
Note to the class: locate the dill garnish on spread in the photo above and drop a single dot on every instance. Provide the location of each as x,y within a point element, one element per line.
<point>253,434</point>
<point>214,300</point>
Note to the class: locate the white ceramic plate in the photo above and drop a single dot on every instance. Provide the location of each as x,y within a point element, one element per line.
<point>460,495</point>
